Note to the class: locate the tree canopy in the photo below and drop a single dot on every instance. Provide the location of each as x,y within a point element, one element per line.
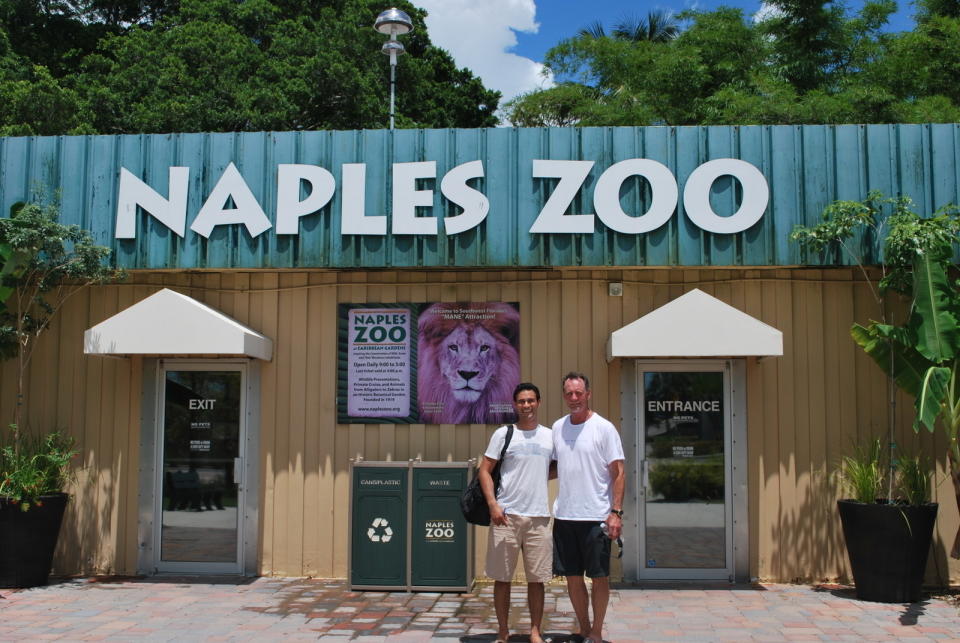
<point>148,66</point>
<point>807,61</point>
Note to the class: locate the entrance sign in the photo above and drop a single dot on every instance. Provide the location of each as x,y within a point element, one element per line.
<point>408,194</point>
<point>441,363</point>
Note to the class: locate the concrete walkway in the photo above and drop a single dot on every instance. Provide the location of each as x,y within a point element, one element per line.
<point>210,609</point>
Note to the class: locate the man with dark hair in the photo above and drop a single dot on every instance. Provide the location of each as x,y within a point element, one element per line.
<point>519,515</point>
<point>588,511</point>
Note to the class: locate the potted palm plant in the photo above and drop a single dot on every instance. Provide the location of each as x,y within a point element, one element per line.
<point>33,473</point>
<point>887,538</point>
<point>44,262</point>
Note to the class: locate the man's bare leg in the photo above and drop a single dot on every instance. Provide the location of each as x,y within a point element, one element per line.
<point>535,604</point>
<point>599,598</point>
<point>577,590</point>
<point>501,603</point>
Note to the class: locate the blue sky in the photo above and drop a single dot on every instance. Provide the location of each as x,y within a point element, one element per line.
<point>504,41</point>
<point>559,19</point>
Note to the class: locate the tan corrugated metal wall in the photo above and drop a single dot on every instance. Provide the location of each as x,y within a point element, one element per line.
<point>804,409</point>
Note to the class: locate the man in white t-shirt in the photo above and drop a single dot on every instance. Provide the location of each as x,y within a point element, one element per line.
<point>519,514</point>
<point>588,511</point>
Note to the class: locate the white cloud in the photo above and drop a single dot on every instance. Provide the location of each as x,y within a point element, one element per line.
<point>766,11</point>
<point>479,34</point>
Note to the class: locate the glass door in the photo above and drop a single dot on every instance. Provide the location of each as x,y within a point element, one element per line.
<point>197,516</point>
<point>685,499</point>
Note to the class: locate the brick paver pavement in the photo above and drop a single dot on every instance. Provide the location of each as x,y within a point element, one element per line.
<point>205,609</point>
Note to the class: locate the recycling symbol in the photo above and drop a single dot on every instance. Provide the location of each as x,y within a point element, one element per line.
<point>380,531</point>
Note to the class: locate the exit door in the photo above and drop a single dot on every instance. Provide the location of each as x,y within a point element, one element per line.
<point>198,512</point>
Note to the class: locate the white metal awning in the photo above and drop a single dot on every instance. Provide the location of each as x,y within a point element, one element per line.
<point>695,325</point>
<point>168,323</point>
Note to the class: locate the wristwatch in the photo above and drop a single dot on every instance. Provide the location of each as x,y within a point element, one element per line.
<point>618,512</point>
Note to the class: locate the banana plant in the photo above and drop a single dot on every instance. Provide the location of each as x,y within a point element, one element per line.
<point>923,355</point>
<point>916,257</point>
<point>884,233</point>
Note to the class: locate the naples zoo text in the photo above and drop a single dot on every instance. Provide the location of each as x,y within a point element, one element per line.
<point>407,181</point>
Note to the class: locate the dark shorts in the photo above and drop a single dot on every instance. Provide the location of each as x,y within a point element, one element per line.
<point>580,547</point>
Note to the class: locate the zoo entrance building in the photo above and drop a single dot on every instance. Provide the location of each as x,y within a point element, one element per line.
<point>288,296</point>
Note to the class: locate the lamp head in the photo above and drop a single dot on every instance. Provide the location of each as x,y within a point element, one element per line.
<point>392,48</point>
<point>393,22</point>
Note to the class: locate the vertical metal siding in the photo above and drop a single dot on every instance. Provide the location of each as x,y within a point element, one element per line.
<point>806,167</point>
<point>804,410</point>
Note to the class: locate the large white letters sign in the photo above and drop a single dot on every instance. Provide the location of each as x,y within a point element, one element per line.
<point>320,186</point>
<point>696,196</point>
<point>606,198</point>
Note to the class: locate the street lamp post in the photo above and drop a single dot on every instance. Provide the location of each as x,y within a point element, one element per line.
<point>393,23</point>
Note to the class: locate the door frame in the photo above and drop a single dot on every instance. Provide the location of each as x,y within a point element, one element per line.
<point>151,487</point>
<point>737,524</point>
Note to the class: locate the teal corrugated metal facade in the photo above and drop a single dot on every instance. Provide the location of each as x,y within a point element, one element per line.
<point>806,167</point>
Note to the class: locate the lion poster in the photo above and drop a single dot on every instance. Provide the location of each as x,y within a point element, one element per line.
<point>435,363</point>
<point>469,363</point>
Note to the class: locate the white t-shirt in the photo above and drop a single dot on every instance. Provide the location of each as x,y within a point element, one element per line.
<point>526,465</point>
<point>584,453</point>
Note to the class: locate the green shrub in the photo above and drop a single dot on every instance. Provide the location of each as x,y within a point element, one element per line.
<point>863,473</point>
<point>864,476</point>
<point>688,479</point>
<point>31,467</point>
<point>914,479</point>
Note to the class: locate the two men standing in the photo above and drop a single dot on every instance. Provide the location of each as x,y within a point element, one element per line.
<point>589,462</point>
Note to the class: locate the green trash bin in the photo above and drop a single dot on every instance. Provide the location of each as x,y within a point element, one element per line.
<point>441,540</point>
<point>378,525</point>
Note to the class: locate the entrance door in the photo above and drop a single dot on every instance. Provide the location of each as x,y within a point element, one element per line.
<point>684,456</point>
<point>198,516</point>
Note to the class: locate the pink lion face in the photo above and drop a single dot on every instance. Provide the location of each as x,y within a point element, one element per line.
<point>468,367</point>
<point>468,359</point>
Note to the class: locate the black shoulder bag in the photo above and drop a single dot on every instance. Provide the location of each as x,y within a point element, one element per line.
<point>473,504</point>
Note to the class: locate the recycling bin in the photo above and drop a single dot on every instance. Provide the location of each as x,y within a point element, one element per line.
<point>441,540</point>
<point>378,525</point>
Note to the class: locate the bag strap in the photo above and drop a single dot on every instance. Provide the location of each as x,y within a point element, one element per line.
<point>506,443</point>
<point>495,474</point>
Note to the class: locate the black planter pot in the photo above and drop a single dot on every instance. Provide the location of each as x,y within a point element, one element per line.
<point>888,547</point>
<point>28,539</point>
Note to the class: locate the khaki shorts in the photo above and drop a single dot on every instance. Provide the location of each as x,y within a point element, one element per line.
<point>523,533</point>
